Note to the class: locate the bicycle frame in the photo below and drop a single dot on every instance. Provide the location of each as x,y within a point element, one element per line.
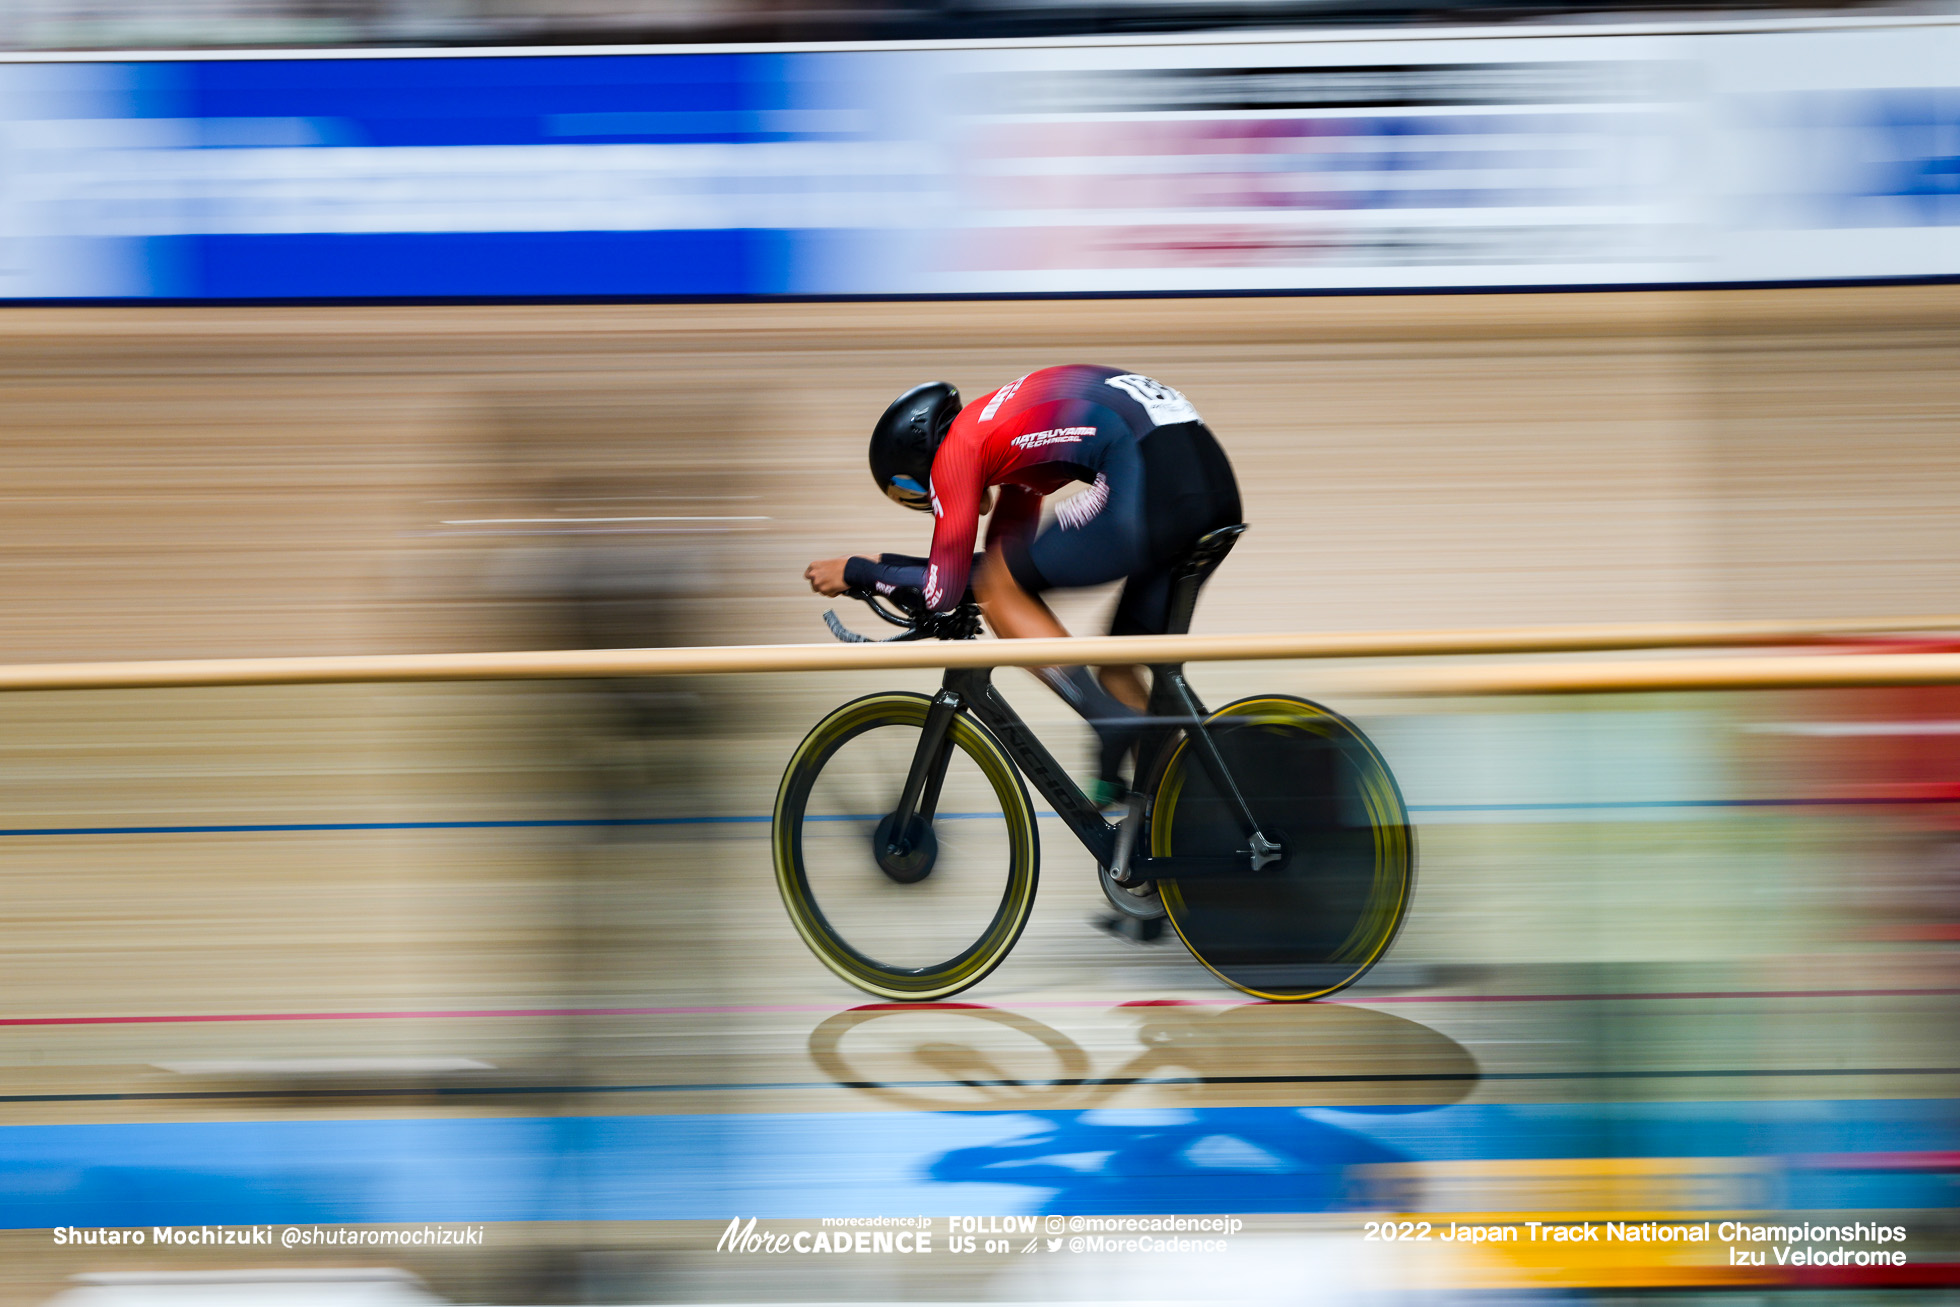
<point>1172,703</point>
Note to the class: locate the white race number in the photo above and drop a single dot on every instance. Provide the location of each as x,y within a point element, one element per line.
<point>1163,404</point>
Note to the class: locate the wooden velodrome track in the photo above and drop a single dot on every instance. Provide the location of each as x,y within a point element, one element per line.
<point>256,482</point>
<point>188,482</point>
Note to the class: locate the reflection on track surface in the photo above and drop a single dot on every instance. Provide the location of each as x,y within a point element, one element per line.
<point>967,1056</point>
<point>1793,1155</point>
<point>1008,1115</point>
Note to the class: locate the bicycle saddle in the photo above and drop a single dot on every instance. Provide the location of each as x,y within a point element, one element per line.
<point>1210,550</point>
<point>1193,570</point>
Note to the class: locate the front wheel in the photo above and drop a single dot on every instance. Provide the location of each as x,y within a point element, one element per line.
<point>1318,919</point>
<point>936,919</point>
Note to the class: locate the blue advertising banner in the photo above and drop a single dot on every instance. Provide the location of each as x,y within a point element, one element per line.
<point>504,177</point>
<point>1510,158</point>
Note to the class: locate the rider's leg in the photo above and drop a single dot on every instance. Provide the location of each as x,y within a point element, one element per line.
<point>1140,610</point>
<point>1126,683</point>
<point>1015,614</point>
<point>1011,612</point>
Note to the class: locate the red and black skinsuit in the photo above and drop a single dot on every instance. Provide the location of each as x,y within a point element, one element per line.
<point>1157,481</point>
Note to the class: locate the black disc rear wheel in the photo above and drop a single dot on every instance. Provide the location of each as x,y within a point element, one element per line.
<point>1315,921</point>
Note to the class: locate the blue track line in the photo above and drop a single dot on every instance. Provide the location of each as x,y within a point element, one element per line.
<point>540,823</point>
<point>761,819</point>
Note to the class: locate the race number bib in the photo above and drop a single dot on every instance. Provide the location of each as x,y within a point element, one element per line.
<point>1163,404</point>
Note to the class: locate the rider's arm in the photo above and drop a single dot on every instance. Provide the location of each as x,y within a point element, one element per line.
<point>888,573</point>
<point>957,484</point>
<point>885,573</point>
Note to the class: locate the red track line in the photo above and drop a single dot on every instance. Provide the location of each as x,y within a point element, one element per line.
<point>1932,992</point>
<point>833,1009</point>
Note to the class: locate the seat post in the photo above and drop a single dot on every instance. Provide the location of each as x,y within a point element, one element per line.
<point>1171,696</point>
<point>1191,574</point>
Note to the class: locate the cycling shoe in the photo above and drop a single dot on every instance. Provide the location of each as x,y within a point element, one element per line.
<point>1146,931</point>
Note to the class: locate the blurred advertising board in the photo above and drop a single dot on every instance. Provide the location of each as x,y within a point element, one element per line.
<point>1626,156</point>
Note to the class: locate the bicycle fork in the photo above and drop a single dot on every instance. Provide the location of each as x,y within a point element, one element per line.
<point>919,800</point>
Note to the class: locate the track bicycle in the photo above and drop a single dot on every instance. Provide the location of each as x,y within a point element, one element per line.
<point>1270,832</point>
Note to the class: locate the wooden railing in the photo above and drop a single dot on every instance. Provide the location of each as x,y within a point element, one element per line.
<point>1756,671</point>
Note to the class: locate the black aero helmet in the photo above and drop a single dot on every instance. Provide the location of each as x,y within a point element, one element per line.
<point>906,438</point>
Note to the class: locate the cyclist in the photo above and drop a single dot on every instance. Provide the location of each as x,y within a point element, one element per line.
<point>1157,481</point>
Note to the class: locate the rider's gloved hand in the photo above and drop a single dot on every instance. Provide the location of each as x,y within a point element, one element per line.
<point>828,576</point>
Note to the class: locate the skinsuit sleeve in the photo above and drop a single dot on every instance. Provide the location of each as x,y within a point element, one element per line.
<point>956,492</point>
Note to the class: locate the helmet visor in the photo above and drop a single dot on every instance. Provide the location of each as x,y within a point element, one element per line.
<point>907,491</point>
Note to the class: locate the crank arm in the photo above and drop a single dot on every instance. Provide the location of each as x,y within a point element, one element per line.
<point>1197,866</point>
